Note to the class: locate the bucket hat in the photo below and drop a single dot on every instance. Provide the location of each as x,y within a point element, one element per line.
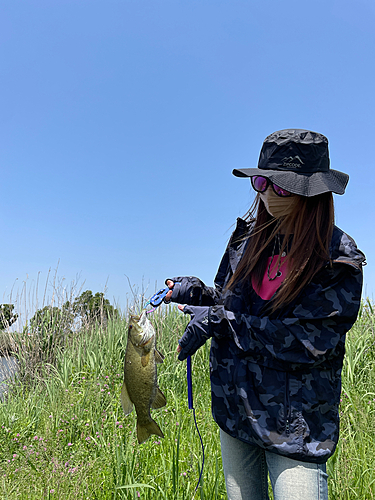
<point>297,160</point>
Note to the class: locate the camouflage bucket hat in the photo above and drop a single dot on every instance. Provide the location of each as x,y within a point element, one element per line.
<point>297,161</point>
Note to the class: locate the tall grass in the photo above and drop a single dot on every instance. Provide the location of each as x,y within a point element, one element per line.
<point>352,468</point>
<point>63,433</point>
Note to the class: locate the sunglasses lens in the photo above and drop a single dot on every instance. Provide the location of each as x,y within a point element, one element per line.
<point>280,191</point>
<point>259,183</point>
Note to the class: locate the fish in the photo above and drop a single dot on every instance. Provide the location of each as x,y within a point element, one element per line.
<point>140,388</point>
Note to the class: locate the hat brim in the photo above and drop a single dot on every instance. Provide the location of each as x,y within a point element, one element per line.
<point>299,183</point>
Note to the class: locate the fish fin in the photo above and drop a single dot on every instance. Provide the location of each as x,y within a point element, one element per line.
<point>126,403</point>
<point>146,347</point>
<point>145,431</point>
<point>145,359</point>
<point>159,401</point>
<point>159,358</point>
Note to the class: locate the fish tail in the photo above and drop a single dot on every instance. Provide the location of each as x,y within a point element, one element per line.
<point>145,431</point>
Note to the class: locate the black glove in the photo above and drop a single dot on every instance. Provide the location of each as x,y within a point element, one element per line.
<point>186,290</point>
<point>197,332</point>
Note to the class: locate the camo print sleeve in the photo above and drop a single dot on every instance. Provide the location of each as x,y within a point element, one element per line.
<point>310,332</point>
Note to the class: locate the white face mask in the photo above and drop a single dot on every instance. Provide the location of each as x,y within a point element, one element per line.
<point>278,206</point>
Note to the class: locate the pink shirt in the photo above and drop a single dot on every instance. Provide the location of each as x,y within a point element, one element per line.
<point>268,288</point>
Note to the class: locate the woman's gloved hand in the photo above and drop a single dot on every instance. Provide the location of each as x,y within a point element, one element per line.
<point>184,290</point>
<point>196,333</point>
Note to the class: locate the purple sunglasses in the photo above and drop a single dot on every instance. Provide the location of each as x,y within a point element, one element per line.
<point>260,184</point>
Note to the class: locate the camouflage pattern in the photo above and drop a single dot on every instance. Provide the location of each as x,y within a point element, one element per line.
<point>276,377</point>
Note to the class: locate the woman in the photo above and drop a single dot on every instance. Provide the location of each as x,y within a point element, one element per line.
<point>287,290</point>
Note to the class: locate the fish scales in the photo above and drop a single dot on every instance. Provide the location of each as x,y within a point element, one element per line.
<point>140,388</point>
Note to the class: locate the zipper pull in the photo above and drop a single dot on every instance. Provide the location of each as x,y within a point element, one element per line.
<point>287,427</point>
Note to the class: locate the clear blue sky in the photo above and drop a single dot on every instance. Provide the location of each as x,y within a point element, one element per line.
<point>121,121</point>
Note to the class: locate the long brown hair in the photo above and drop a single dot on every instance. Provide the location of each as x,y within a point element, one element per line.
<point>309,228</point>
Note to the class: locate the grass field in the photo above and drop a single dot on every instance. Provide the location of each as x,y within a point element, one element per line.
<point>63,434</point>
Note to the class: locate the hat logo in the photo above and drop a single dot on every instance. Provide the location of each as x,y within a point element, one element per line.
<point>292,162</point>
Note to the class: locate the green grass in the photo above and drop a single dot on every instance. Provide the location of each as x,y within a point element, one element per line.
<point>352,468</point>
<point>63,434</point>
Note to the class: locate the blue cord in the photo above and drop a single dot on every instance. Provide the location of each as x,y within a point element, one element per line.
<point>191,407</point>
<point>189,383</point>
<point>155,301</point>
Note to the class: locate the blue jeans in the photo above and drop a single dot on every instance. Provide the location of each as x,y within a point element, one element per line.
<point>246,468</point>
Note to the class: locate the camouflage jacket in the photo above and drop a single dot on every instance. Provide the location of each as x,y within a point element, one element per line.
<point>276,378</point>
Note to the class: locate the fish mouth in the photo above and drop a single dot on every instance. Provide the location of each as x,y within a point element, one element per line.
<point>146,330</point>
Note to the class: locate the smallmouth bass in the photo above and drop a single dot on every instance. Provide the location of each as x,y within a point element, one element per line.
<point>140,386</point>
